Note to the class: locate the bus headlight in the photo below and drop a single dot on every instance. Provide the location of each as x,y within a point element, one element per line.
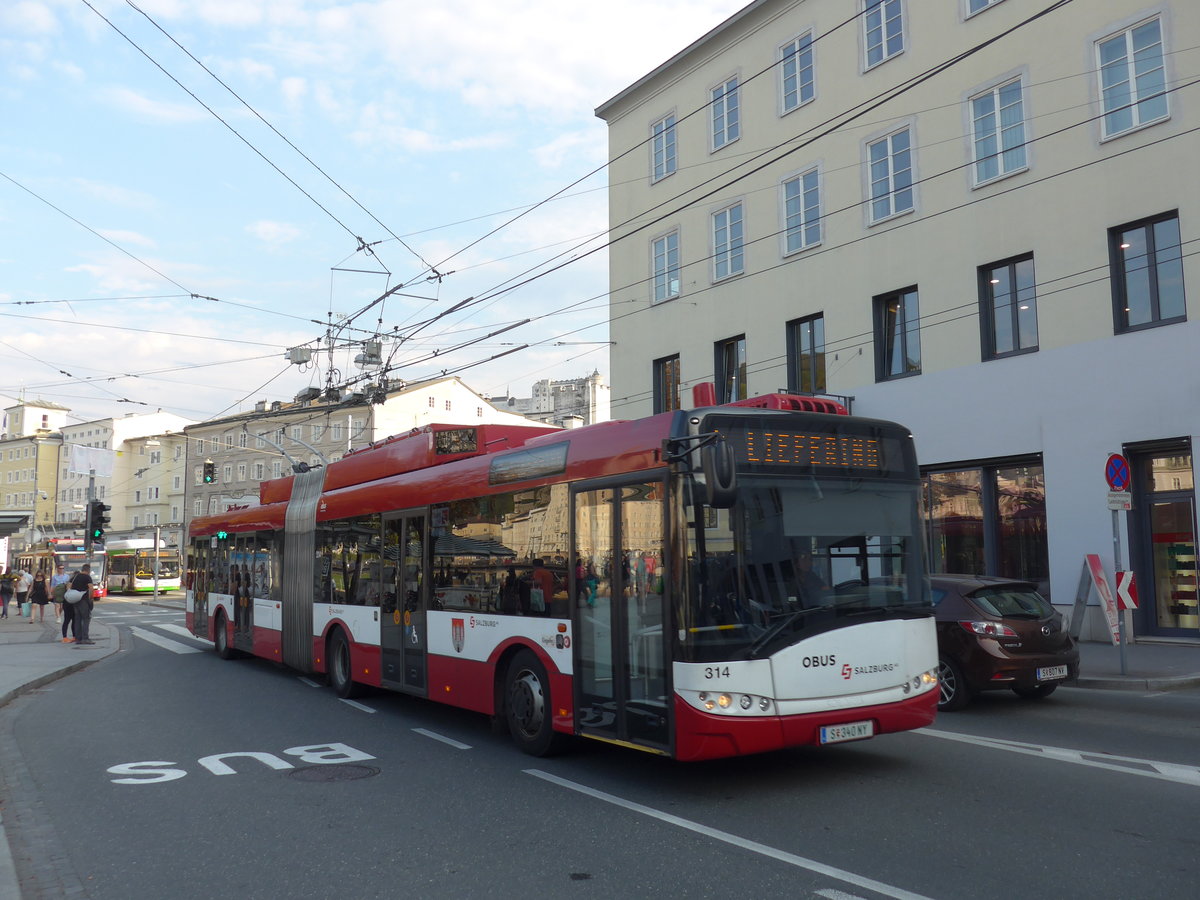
<point>746,701</point>
<point>724,701</point>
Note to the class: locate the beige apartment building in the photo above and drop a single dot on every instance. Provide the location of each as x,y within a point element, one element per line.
<point>974,217</point>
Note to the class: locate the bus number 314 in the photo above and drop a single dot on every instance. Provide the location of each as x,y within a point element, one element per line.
<point>716,671</point>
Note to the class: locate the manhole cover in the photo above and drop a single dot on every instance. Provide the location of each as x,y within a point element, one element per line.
<point>333,773</point>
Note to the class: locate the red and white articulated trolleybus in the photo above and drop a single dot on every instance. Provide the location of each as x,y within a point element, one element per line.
<point>702,583</point>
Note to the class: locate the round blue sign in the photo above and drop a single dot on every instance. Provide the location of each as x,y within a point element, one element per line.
<point>1116,473</point>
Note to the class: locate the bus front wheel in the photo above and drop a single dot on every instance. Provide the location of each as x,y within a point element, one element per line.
<point>221,637</point>
<point>341,667</point>
<point>527,706</point>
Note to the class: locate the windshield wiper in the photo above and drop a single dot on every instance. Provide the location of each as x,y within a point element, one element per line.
<point>782,625</point>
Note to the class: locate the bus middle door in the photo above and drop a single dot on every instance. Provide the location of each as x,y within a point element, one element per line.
<point>402,633</point>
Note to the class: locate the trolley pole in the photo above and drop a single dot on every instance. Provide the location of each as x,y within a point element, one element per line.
<point>157,533</point>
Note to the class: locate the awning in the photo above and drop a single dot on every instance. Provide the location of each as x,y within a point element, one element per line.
<point>11,523</point>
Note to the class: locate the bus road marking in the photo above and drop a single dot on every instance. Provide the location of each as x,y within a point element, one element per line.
<point>1130,765</point>
<point>457,745</point>
<point>166,643</point>
<point>792,859</point>
<point>179,629</point>
<point>356,705</point>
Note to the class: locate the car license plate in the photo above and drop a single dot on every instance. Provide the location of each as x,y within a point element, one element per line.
<point>851,731</point>
<point>1051,672</point>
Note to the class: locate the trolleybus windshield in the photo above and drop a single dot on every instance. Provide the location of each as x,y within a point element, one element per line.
<point>797,555</point>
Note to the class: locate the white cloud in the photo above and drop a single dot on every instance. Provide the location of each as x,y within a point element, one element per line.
<point>141,105</point>
<point>116,196</point>
<point>127,237</point>
<point>28,16</point>
<point>273,233</point>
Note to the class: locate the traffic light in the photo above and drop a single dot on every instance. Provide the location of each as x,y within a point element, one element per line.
<point>210,471</point>
<point>97,521</point>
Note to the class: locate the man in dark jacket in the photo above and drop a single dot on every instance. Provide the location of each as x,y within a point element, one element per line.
<point>83,607</point>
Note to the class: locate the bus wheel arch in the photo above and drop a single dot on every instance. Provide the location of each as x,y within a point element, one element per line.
<point>527,707</point>
<point>339,664</point>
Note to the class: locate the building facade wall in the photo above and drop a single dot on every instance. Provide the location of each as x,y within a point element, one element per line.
<point>1082,391</point>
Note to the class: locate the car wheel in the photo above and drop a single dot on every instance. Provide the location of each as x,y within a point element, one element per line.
<point>340,667</point>
<point>527,706</point>
<point>952,687</point>
<point>1037,692</point>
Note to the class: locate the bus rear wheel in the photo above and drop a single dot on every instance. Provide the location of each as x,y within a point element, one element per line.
<point>527,707</point>
<point>341,667</point>
<point>221,637</point>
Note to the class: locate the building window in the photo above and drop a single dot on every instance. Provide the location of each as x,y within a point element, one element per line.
<point>663,146</point>
<point>998,131</point>
<point>665,253</point>
<point>666,384</point>
<point>890,160</point>
<point>727,242</point>
<point>259,471</point>
<point>974,6</point>
<point>226,474</point>
<point>1008,307</point>
<point>731,369</point>
<point>1147,273</point>
<point>176,483</point>
<point>242,438</point>
<point>897,335</point>
<point>137,496</point>
<point>806,354</point>
<point>229,442</point>
<point>155,457</point>
<point>802,212</point>
<point>277,469</point>
<point>198,475</point>
<point>1132,78</point>
<point>796,72</point>
<point>297,432</point>
<point>883,30</point>
<point>259,442</point>
<point>726,124</point>
<point>989,520</point>
<point>241,470</point>
<point>337,429</point>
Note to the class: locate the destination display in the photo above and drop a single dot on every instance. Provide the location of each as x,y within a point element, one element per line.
<point>875,452</point>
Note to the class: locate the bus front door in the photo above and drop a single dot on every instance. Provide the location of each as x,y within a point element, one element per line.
<point>621,689</point>
<point>402,635</point>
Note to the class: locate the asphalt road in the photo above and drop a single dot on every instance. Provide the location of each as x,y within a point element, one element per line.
<point>119,785</point>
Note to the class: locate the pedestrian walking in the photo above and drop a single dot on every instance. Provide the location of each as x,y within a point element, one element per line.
<point>82,582</point>
<point>6,592</point>
<point>59,582</point>
<point>24,583</point>
<point>39,597</point>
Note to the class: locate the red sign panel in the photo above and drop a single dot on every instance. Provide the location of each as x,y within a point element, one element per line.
<point>1127,597</point>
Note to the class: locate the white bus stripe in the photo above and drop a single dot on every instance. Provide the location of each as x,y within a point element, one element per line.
<point>457,745</point>
<point>166,643</point>
<point>753,846</point>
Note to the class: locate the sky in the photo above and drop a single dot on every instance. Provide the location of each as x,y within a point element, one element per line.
<point>189,188</point>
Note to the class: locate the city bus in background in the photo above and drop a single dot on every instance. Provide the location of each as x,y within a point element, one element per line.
<point>131,566</point>
<point>702,583</point>
<point>72,553</point>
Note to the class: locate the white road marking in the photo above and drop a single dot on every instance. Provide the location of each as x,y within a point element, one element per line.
<point>792,859</point>
<point>166,643</point>
<point>457,745</point>
<point>830,894</point>
<point>1130,765</point>
<point>357,705</point>
<point>310,682</point>
<point>179,629</point>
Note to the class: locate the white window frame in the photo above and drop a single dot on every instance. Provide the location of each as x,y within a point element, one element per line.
<point>728,249</point>
<point>792,51</point>
<point>1134,100</point>
<point>881,14</point>
<point>890,177</point>
<point>998,132</point>
<point>662,286</point>
<point>664,147</point>
<point>799,224</point>
<point>724,105</point>
<point>975,7</point>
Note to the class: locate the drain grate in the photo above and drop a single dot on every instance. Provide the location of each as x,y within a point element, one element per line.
<point>333,773</point>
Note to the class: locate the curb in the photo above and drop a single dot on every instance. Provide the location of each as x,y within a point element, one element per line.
<point>28,686</point>
<point>1138,682</point>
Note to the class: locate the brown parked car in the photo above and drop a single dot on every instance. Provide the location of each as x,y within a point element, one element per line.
<point>996,633</point>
